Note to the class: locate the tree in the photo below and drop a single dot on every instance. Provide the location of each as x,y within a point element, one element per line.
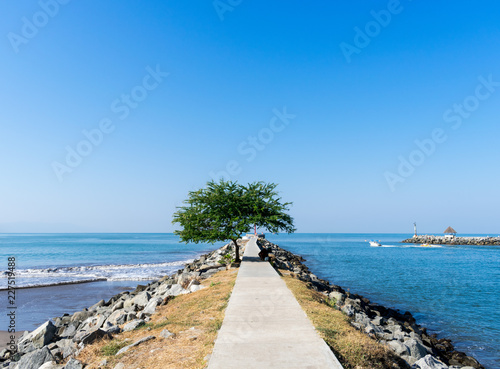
<point>225,210</point>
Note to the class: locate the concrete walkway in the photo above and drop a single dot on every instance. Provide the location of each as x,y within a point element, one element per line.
<point>264,325</point>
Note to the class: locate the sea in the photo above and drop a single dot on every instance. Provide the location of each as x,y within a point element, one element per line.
<point>453,291</point>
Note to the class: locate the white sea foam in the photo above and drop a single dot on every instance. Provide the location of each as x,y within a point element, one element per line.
<point>90,273</point>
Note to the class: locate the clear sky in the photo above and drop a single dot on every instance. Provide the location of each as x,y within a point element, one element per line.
<point>370,114</point>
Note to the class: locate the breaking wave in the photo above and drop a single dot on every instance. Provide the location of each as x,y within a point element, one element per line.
<point>27,278</point>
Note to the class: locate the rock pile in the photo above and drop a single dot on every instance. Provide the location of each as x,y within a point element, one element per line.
<point>442,240</point>
<point>54,342</point>
<point>397,330</point>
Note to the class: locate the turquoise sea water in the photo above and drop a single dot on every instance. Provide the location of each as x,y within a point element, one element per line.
<point>51,259</point>
<point>452,290</point>
<point>118,262</point>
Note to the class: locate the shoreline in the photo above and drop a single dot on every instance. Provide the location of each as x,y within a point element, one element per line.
<point>56,284</point>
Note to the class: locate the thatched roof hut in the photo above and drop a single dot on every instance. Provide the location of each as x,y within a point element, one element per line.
<point>450,230</point>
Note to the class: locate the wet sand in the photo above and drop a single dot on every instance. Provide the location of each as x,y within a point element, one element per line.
<point>5,338</point>
<point>37,305</point>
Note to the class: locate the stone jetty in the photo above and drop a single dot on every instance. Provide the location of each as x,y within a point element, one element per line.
<point>451,240</point>
<point>62,339</point>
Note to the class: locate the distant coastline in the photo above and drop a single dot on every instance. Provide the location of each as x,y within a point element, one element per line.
<point>452,240</point>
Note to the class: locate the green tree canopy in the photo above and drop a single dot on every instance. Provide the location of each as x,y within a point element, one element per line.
<point>225,210</point>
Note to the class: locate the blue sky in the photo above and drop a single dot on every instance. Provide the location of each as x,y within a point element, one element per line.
<point>370,115</point>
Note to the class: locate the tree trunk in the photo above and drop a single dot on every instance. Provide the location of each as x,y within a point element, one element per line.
<point>237,250</point>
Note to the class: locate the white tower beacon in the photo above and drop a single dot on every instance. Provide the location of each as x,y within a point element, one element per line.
<point>415,228</point>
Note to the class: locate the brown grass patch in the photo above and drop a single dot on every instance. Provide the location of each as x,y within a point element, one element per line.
<point>194,318</point>
<point>354,349</point>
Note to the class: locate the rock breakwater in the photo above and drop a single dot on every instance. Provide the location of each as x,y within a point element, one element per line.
<point>61,340</point>
<point>443,240</point>
<point>399,331</point>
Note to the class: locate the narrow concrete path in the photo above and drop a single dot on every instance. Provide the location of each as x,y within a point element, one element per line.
<point>264,325</point>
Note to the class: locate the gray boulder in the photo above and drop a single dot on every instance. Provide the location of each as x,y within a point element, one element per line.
<point>166,334</point>
<point>66,347</point>
<point>116,317</point>
<point>142,340</point>
<point>337,296</point>
<point>38,338</point>
<point>417,350</point>
<point>378,320</point>
<point>117,306</point>
<point>80,316</point>
<point>97,305</point>
<point>110,328</point>
<point>63,320</point>
<point>184,279</point>
<point>87,337</point>
<point>141,300</point>
<point>73,364</point>
<point>67,342</point>
<point>348,310</point>
<point>196,287</point>
<point>68,330</point>
<point>175,290</point>
<point>373,329</point>
<point>429,362</point>
<point>133,325</point>
<point>35,359</point>
<point>93,322</point>
<point>94,335</point>
<point>51,365</point>
<point>362,319</point>
<point>399,348</point>
<point>152,304</point>
<point>68,351</point>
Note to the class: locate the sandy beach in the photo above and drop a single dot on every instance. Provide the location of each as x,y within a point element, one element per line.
<point>5,338</point>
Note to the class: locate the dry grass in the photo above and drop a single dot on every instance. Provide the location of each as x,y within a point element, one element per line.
<point>355,350</point>
<point>194,318</point>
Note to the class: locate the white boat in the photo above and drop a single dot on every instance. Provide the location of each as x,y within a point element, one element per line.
<point>375,243</point>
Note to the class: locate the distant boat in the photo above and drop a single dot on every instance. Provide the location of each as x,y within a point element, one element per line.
<point>375,243</point>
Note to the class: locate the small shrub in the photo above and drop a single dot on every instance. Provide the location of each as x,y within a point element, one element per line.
<point>227,260</point>
<point>331,301</point>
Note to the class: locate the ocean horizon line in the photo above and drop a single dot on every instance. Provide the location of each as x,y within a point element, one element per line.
<point>172,233</point>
